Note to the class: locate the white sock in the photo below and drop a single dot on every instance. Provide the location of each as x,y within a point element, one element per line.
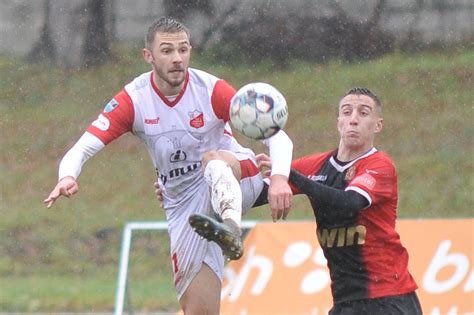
<point>226,195</point>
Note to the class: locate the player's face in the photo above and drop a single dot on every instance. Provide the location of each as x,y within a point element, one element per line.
<point>169,58</point>
<point>358,122</point>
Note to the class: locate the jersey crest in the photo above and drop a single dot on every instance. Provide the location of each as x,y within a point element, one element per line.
<point>196,119</point>
<point>350,173</point>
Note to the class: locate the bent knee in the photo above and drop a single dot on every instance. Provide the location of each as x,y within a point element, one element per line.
<point>209,156</point>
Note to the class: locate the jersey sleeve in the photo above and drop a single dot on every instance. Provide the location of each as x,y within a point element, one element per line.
<point>376,180</point>
<point>281,153</point>
<point>85,148</point>
<point>220,99</point>
<point>116,118</point>
<point>308,166</point>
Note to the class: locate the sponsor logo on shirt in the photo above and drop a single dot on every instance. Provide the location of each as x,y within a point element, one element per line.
<point>365,180</point>
<point>102,123</point>
<point>180,171</point>
<point>318,178</point>
<point>342,236</point>
<point>371,172</point>
<point>111,105</point>
<point>152,121</point>
<point>196,119</point>
<point>178,156</point>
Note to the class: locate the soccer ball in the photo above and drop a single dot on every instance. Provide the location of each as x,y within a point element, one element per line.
<point>258,110</point>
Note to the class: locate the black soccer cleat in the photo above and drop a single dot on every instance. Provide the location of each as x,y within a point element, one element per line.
<point>226,234</point>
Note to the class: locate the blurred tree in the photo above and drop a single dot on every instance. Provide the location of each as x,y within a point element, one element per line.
<point>412,41</point>
<point>43,49</point>
<point>181,9</point>
<point>269,34</point>
<point>75,33</point>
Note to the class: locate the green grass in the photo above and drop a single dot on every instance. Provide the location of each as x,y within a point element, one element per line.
<point>42,292</point>
<point>66,258</point>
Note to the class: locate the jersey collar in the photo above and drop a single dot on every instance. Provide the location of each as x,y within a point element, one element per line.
<point>342,168</point>
<point>163,97</point>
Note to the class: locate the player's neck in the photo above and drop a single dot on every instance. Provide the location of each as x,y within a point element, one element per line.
<point>346,154</point>
<point>165,88</point>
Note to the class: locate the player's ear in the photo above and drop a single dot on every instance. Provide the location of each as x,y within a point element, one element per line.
<point>379,125</point>
<point>147,55</point>
<point>338,124</point>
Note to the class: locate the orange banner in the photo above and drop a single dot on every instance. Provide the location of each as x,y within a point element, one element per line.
<point>283,270</point>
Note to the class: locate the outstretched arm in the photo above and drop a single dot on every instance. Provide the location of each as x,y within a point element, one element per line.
<point>338,200</point>
<point>71,165</point>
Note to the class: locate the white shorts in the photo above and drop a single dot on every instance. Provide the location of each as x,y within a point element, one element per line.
<point>188,250</point>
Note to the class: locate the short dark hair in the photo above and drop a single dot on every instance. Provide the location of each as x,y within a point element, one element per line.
<point>367,92</point>
<point>164,25</point>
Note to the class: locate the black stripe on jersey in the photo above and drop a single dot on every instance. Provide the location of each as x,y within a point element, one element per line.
<point>339,235</point>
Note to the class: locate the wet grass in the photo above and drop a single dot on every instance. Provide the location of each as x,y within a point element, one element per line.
<point>66,258</point>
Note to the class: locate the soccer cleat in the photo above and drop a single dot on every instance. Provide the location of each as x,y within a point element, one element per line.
<point>226,234</point>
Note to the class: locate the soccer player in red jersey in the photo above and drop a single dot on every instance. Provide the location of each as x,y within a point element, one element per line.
<point>353,193</point>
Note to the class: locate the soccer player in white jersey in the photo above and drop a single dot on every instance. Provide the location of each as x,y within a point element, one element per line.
<point>206,178</point>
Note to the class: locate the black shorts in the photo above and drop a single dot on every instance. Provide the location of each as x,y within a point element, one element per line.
<point>407,304</point>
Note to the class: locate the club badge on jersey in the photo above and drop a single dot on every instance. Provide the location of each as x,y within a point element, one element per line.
<point>111,105</point>
<point>350,173</point>
<point>196,119</point>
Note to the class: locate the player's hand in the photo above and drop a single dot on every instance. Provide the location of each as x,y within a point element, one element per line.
<point>158,193</point>
<point>264,164</point>
<point>66,187</point>
<point>279,197</point>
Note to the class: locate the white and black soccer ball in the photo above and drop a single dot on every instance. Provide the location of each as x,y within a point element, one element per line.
<point>258,110</point>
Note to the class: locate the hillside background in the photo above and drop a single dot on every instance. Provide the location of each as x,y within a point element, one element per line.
<point>66,258</point>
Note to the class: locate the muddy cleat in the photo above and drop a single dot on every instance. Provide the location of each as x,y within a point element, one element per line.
<point>226,234</point>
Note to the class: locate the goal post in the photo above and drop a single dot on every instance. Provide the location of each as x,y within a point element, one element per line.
<point>125,252</point>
